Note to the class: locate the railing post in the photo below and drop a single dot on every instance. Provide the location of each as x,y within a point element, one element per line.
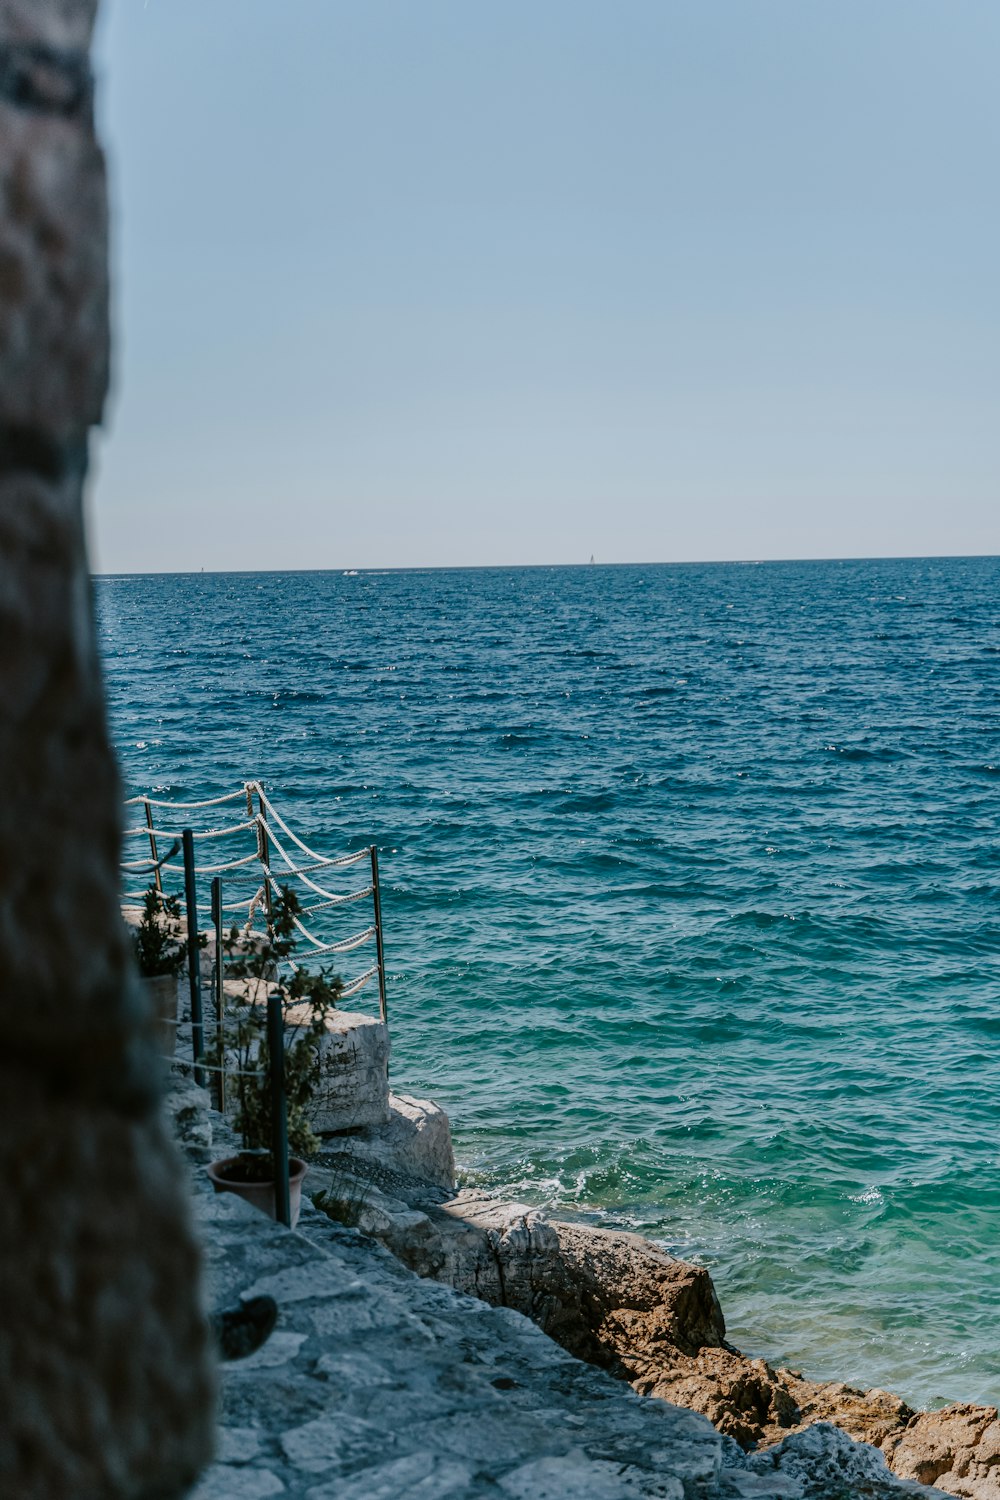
<point>152,844</point>
<point>194,953</point>
<point>279,1116</point>
<point>379,955</point>
<point>264,853</point>
<point>220,995</point>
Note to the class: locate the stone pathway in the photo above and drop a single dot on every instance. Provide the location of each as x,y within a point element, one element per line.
<point>377,1385</point>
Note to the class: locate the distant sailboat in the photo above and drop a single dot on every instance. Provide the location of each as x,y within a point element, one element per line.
<point>592,557</point>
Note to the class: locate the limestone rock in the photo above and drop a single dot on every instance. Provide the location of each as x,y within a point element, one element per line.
<point>956,1448</point>
<point>635,1296</point>
<point>618,1302</point>
<point>870,1416</point>
<point>353,1088</point>
<point>414,1142</point>
<point>824,1462</point>
<point>188,1110</point>
<point>387,1387</point>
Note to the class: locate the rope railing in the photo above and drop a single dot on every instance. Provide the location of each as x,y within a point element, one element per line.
<point>295,870</point>
<point>261,823</point>
<point>369,890</point>
<point>204,833</point>
<point>321,861</point>
<point>225,1060</point>
<point>359,983</point>
<point>143,800</point>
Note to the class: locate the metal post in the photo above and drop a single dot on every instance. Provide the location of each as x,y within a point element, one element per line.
<point>279,1116</point>
<point>220,996</point>
<point>264,855</point>
<point>379,955</point>
<point>152,844</point>
<point>194,953</point>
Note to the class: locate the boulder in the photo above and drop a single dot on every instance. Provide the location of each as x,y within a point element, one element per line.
<point>956,1448</point>
<point>823,1462</point>
<point>413,1145</point>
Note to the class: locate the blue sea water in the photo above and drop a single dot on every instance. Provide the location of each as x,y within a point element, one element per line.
<point>691,884</point>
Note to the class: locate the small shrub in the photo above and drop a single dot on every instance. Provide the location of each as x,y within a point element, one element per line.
<point>306,1000</point>
<point>159,947</point>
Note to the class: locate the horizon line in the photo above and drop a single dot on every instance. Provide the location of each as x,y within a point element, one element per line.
<point>727,562</point>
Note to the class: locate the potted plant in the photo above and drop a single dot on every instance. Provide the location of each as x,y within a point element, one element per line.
<point>306,1000</point>
<point>160,954</point>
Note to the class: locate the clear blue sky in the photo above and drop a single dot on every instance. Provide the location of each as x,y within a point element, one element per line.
<point>519,281</point>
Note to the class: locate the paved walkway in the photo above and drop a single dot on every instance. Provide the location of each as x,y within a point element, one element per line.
<point>377,1385</point>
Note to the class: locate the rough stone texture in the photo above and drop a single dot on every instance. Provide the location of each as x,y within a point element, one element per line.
<point>824,1462</point>
<point>377,1385</point>
<point>414,1145</point>
<point>354,1072</point>
<point>956,1448</point>
<point>618,1302</point>
<point>52,23</point>
<point>105,1381</point>
<point>187,1107</point>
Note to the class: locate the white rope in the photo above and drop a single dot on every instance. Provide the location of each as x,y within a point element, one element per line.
<point>254,904</point>
<point>184,806</point>
<point>329,899</point>
<point>318,945</point>
<point>205,1067</point>
<point>359,983</point>
<point>207,833</point>
<point>369,890</point>
<point>321,861</point>
<point>292,870</point>
<point>240,905</point>
<point>234,864</point>
<point>346,944</point>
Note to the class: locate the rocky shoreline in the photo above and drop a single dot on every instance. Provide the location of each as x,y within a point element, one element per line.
<point>618,1302</point>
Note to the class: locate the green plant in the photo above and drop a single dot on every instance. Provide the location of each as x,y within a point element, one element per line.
<point>306,1000</point>
<point>349,1188</point>
<point>159,947</point>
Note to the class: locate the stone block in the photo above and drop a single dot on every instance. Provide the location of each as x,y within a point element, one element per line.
<point>353,1087</point>
<point>414,1142</point>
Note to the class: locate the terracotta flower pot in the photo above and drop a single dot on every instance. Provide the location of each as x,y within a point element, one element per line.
<point>162,1008</point>
<point>228,1176</point>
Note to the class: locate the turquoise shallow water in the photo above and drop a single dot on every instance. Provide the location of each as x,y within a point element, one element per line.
<point>691,897</point>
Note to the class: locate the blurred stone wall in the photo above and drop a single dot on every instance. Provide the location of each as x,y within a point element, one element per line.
<point>106,1385</point>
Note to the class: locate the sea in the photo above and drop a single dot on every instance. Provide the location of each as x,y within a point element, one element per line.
<point>691,898</point>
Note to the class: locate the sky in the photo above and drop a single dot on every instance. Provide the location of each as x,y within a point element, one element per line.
<point>483,282</point>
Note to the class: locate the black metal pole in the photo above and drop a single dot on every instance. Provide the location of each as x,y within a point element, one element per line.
<point>194,953</point>
<point>379,955</point>
<point>279,1116</point>
<point>220,996</point>
<point>264,855</point>
<point>158,879</point>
